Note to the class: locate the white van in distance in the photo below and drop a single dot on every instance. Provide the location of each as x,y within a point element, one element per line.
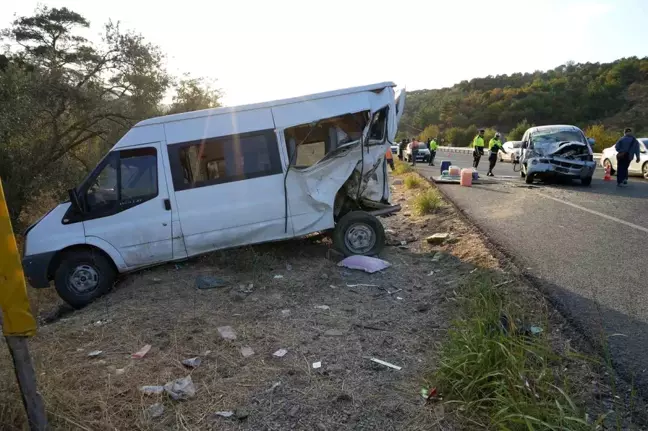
<point>186,184</point>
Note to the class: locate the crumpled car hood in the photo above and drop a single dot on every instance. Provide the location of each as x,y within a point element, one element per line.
<point>562,149</point>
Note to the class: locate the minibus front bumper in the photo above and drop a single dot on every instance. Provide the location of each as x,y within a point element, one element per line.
<point>36,268</point>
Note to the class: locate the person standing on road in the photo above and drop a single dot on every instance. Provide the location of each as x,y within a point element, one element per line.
<point>478,145</point>
<point>626,147</point>
<point>414,146</point>
<point>494,146</point>
<point>433,149</point>
<point>401,149</point>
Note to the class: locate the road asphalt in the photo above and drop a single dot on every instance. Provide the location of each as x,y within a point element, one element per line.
<point>586,248</point>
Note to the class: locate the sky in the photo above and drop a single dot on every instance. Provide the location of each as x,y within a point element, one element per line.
<point>263,50</point>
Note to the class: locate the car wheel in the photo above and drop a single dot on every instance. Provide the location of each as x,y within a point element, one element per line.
<point>607,163</point>
<point>82,276</point>
<point>528,179</point>
<point>644,170</point>
<point>359,233</point>
<point>586,181</point>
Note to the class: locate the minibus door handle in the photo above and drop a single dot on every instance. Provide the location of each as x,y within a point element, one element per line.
<point>167,204</point>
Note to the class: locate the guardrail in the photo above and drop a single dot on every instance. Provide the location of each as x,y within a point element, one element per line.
<point>467,150</point>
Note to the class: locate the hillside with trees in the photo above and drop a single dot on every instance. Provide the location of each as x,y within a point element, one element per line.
<point>600,98</point>
<point>65,100</point>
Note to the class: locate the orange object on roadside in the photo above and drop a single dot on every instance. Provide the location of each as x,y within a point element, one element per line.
<point>388,154</point>
<point>466,177</point>
<point>607,176</point>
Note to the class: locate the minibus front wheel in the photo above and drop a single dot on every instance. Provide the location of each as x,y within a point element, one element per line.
<point>82,276</point>
<point>359,232</point>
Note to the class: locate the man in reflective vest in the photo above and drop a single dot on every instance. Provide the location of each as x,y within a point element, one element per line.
<point>494,146</point>
<point>433,148</point>
<point>478,145</point>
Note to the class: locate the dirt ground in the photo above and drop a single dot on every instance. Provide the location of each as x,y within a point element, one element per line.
<point>272,302</point>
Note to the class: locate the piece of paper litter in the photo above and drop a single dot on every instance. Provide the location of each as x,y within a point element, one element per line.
<point>364,263</point>
<point>387,364</point>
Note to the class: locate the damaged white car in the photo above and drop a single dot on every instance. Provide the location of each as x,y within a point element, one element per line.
<point>557,152</point>
<point>185,184</point>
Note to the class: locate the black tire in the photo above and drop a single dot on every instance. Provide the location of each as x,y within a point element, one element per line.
<point>528,179</point>
<point>612,171</point>
<point>84,263</point>
<point>586,181</point>
<point>366,224</point>
<point>644,170</point>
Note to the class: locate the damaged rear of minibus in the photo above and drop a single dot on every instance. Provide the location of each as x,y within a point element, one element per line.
<point>185,184</point>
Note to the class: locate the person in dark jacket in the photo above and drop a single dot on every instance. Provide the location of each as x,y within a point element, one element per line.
<point>495,145</point>
<point>627,147</point>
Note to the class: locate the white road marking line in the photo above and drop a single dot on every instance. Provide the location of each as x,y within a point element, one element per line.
<point>618,220</point>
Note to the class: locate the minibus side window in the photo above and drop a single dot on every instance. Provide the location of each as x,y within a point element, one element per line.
<point>224,159</point>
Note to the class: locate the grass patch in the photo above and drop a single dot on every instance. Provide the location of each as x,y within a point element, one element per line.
<point>496,373</point>
<point>401,167</point>
<point>413,181</point>
<point>426,202</point>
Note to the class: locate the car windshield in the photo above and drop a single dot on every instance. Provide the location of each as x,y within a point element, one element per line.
<point>543,139</point>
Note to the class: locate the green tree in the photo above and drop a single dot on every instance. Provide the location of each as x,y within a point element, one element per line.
<point>518,131</point>
<point>64,100</point>
<point>193,94</point>
<point>603,138</point>
<point>430,132</point>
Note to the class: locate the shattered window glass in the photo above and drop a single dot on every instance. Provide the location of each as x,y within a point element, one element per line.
<point>307,144</point>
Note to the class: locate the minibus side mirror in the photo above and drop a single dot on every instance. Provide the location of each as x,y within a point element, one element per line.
<point>74,200</point>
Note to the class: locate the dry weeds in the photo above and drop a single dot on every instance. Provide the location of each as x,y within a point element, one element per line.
<point>402,320</point>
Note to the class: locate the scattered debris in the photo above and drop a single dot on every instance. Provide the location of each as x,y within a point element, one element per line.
<point>155,411</point>
<point>225,414</point>
<point>387,364</point>
<point>323,307</point>
<point>375,328</point>
<point>438,238</point>
<point>280,353</point>
<point>101,322</point>
<point>152,390</point>
<point>431,273</point>
<point>403,243</point>
<point>120,371</point>
<point>365,263</point>
<point>317,365</point>
<point>399,298</point>
<point>241,414</point>
<point>79,349</point>
<point>278,276</point>
<point>285,313</point>
<point>192,362</point>
<point>227,332</point>
<point>437,257</point>
<point>390,231</point>
<point>274,386</point>
<point>535,330</point>
<point>334,333</point>
<point>95,353</point>
<point>181,389</point>
<point>362,285</point>
<point>156,280</point>
<point>429,393</point>
<point>209,282</point>
<point>288,267</point>
<point>247,351</point>
<point>141,352</point>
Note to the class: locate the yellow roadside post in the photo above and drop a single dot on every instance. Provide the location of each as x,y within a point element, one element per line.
<point>17,320</point>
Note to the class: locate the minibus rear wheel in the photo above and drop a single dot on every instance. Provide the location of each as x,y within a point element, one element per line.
<point>83,276</point>
<point>360,233</point>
